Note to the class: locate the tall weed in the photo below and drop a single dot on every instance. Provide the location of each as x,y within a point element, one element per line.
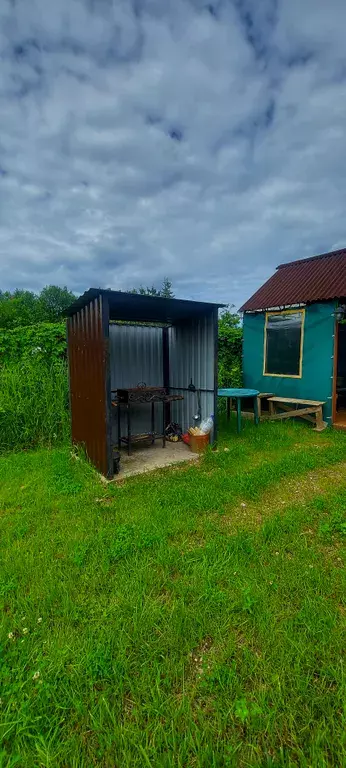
<point>33,403</point>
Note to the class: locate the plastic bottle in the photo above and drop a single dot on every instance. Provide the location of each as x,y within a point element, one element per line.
<point>207,425</point>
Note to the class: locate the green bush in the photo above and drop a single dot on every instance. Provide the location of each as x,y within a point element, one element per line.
<point>33,403</point>
<point>44,341</point>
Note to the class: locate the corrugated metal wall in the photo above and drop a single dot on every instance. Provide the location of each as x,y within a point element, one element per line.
<point>192,356</point>
<point>88,373</point>
<point>135,357</point>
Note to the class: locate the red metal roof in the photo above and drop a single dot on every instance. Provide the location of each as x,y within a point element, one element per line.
<point>320,278</point>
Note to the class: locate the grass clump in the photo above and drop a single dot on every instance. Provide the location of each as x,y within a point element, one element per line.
<point>33,404</point>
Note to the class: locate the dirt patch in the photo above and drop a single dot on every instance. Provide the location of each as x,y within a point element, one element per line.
<point>187,542</point>
<point>299,490</point>
<point>201,658</point>
<point>332,551</point>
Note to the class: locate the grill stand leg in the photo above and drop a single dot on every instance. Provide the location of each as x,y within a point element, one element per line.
<point>128,431</point>
<point>119,427</point>
<point>152,423</point>
<point>164,429</point>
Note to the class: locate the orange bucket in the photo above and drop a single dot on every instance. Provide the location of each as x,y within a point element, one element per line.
<point>199,443</point>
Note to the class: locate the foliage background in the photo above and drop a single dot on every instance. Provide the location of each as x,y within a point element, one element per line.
<point>33,403</point>
<point>230,349</point>
<point>44,341</point>
<point>23,308</point>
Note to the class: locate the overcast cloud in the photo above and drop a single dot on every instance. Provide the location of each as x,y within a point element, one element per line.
<point>199,139</point>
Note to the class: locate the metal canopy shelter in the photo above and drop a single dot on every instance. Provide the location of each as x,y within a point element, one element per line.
<point>104,356</point>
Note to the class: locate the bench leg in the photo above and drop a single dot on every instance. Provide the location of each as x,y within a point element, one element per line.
<point>319,418</point>
<point>271,408</point>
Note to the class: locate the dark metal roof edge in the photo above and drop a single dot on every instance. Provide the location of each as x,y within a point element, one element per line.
<point>93,293</point>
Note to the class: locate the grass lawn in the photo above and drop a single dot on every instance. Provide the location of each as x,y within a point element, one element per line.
<point>192,617</point>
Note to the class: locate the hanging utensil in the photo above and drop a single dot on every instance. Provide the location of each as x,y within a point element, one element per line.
<point>192,388</point>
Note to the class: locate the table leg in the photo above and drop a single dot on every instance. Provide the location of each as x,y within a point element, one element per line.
<point>255,408</point>
<point>228,408</point>
<point>128,431</point>
<point>238,415</point>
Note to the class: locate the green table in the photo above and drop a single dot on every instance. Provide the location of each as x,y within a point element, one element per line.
<point>238,395</point>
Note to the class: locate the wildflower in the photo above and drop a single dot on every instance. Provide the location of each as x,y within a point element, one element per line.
<point>271,583</point>
<point>36,675</point>
<point>243,504</point>
<point>277,553</point>
<point>10,636</point>
<point>25,630</point>
<point>39,619</point>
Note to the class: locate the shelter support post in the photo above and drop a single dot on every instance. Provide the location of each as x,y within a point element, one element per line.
<point>216,372</point>
<point>166,382</point>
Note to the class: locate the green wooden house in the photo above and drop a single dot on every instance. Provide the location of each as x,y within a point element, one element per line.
<point>295,334</point>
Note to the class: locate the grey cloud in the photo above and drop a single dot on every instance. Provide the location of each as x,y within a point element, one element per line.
<point>200,140</point>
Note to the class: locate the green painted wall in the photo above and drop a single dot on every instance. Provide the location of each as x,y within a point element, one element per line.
<point>318,349</point>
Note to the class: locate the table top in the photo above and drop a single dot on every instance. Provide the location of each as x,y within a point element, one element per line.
<point>238,392</point>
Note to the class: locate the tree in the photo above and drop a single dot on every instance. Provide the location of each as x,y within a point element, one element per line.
<point>53,301</point>
<point>230,349</point>
<point>27,307</point>
<point>24,308</point>
<point>8,313</point>
<point>165,291</point>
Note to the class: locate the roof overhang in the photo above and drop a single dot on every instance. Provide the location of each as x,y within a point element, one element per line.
<point>133,307</point>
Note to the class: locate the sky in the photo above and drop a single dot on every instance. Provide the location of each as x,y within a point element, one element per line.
<point>203,140</point>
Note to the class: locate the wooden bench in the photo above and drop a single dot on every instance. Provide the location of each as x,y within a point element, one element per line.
<point>310,410</point>
<point>263,396</point>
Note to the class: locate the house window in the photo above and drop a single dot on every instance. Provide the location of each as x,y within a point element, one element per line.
<point>283,343</point>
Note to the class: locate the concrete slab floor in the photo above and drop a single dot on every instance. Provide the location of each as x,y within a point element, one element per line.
<point>146,458</point>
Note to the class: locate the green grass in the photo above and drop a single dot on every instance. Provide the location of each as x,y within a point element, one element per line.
<point>190,618</point>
